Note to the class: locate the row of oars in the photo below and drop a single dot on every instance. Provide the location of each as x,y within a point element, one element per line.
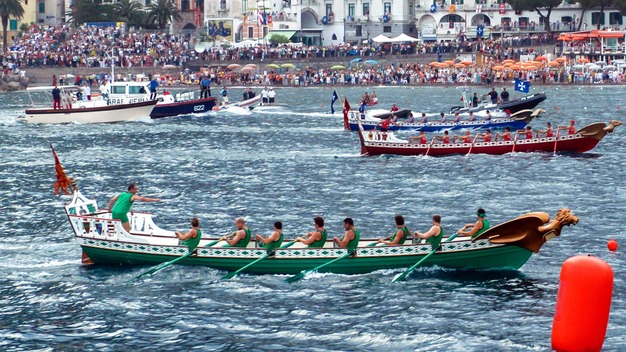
<point>293,278</point>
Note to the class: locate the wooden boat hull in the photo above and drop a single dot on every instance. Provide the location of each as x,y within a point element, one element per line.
<point>461,254</point>
<point>100,114</point>
<point>566,144</point>
<point>196,106</point>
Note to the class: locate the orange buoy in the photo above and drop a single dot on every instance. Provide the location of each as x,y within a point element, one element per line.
<point>582,304</point>
<point>612,245</point>
<point>558,108</point>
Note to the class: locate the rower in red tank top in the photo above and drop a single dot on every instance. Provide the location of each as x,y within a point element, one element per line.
<point>466,137</point>
<point>445,139</point>
<point>548,132</point>
<point>506,135</point>
<point>421,138</point>
<point>571,129</point>
<point>527,132</point>
<point>487,136</point>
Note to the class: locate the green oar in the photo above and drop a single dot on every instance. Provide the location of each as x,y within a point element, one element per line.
<point>301,274</point>
<point>234,273</point>
<point>409,270</point>
<point>166,264</point>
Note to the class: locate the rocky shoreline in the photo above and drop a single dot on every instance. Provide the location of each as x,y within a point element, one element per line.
<point>11,83</point>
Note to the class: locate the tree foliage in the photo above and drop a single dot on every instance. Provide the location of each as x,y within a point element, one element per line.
<point>162,12</point>
<point>542,7</point>
<point>90,11</point>
<point>620,5</point>
<point>278,39</point>
<point>129,11</point>
<point>9,9</point>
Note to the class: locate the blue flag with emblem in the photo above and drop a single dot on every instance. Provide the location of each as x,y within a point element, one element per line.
<point>480,30</point>
<point>433,8</point>
<point>522,86</point>
<point>332,102</point>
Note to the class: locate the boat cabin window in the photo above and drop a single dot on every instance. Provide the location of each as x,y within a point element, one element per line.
<point>136,90</point>
<point>118,90</point>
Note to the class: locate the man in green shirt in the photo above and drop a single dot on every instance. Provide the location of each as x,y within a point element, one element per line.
<point>192,237</point>
<point>350,239</point>
<point>317,238</point>
<point>124,201</point>
<point>399,236</point>
<point>481,225</point>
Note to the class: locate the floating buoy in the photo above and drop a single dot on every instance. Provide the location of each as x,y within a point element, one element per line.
<point>612,245</point>
<point>617,107</point>
<point>558,108</point>
<point>582,304</point>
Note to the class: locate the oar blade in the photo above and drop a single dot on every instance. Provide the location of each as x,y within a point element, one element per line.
<point>297,277</point>
<point>161,266</point>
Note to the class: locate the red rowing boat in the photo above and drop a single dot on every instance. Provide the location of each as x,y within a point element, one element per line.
<point>585,139</point>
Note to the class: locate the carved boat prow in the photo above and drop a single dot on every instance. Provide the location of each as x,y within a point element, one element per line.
<point>529,231</point>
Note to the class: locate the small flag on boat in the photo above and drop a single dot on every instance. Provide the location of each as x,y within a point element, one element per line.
<point>346,111</point>
<point>63,182</point>
<point>332,102</point>
<point>522,86</point>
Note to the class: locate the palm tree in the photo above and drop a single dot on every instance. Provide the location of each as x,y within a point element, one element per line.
<point>89,11</point>
<point>128,11</point>
<point>8,9</point>
<point>162,12</point>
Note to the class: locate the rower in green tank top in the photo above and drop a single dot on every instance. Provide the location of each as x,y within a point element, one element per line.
<point>239,238</point>
<point>399,236</point>
<point>434,235</point>
<point>273,241</point>
<point>192,237</point>
<point>477,228</point>
<point>120,204</point>
<point>317,238</point>
<point>351,238</point>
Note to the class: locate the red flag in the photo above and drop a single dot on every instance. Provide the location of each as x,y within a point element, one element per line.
<point>197,15</point>
<point>63,182</point>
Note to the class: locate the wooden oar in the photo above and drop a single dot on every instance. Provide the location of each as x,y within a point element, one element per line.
<point>472,146</point>
<point>303,273</point>
<point>429,145</point>
<point>514,141</point>
<point>234,273</point>
<point>166,264</point>
<point>409,270</point>
<point>556,139</point>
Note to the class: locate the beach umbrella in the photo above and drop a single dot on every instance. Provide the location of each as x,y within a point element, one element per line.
<point>467,63</point>
<point>508,61</point>
<point>583,61</point>
<point>560,59</point>
<point>498,68</point>
<point>357,60</point>
<point>434,63</point>
<point>449,62</point>
<point>337,67</point>
<point>253,66</point>
<point>601,63</point>
<point>288,65</point>
<point>459,65</point>
<point>169,67</point>
<point>554,63</point>
<point>247,70</point>
<point>508,64</point>
<point>273,66</point>
<point>233,66</point>
<point>610,67</point>
<point>594,67</point>
<point>541,58</point>
<point>579,66</point>
<point>371,62</point>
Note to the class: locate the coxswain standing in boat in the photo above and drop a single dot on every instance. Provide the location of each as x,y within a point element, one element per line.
<point>475,100</point>
<point>239,238</point>
<point>384,124</point>
<point>56,98</point>
<point>273,241</point>
<point>366,98</point>
<point>434,235</point>
<point>120,204</point>
<point>350,238</point>
<point>362,108</point>
<point>421,138</point>
<point>192,237</point>
<point>271,96</point>
<point>548,132</point>
<point>526,132</point>
<point>506,135</point>
<point>477,228</point>
<point>571,129</point>
<point>399,236</point>
<point>317,238</point>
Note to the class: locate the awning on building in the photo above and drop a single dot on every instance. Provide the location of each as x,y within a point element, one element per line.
<point>286,33</point>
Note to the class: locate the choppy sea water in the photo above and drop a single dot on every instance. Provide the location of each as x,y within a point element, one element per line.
<point>290,165</point>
